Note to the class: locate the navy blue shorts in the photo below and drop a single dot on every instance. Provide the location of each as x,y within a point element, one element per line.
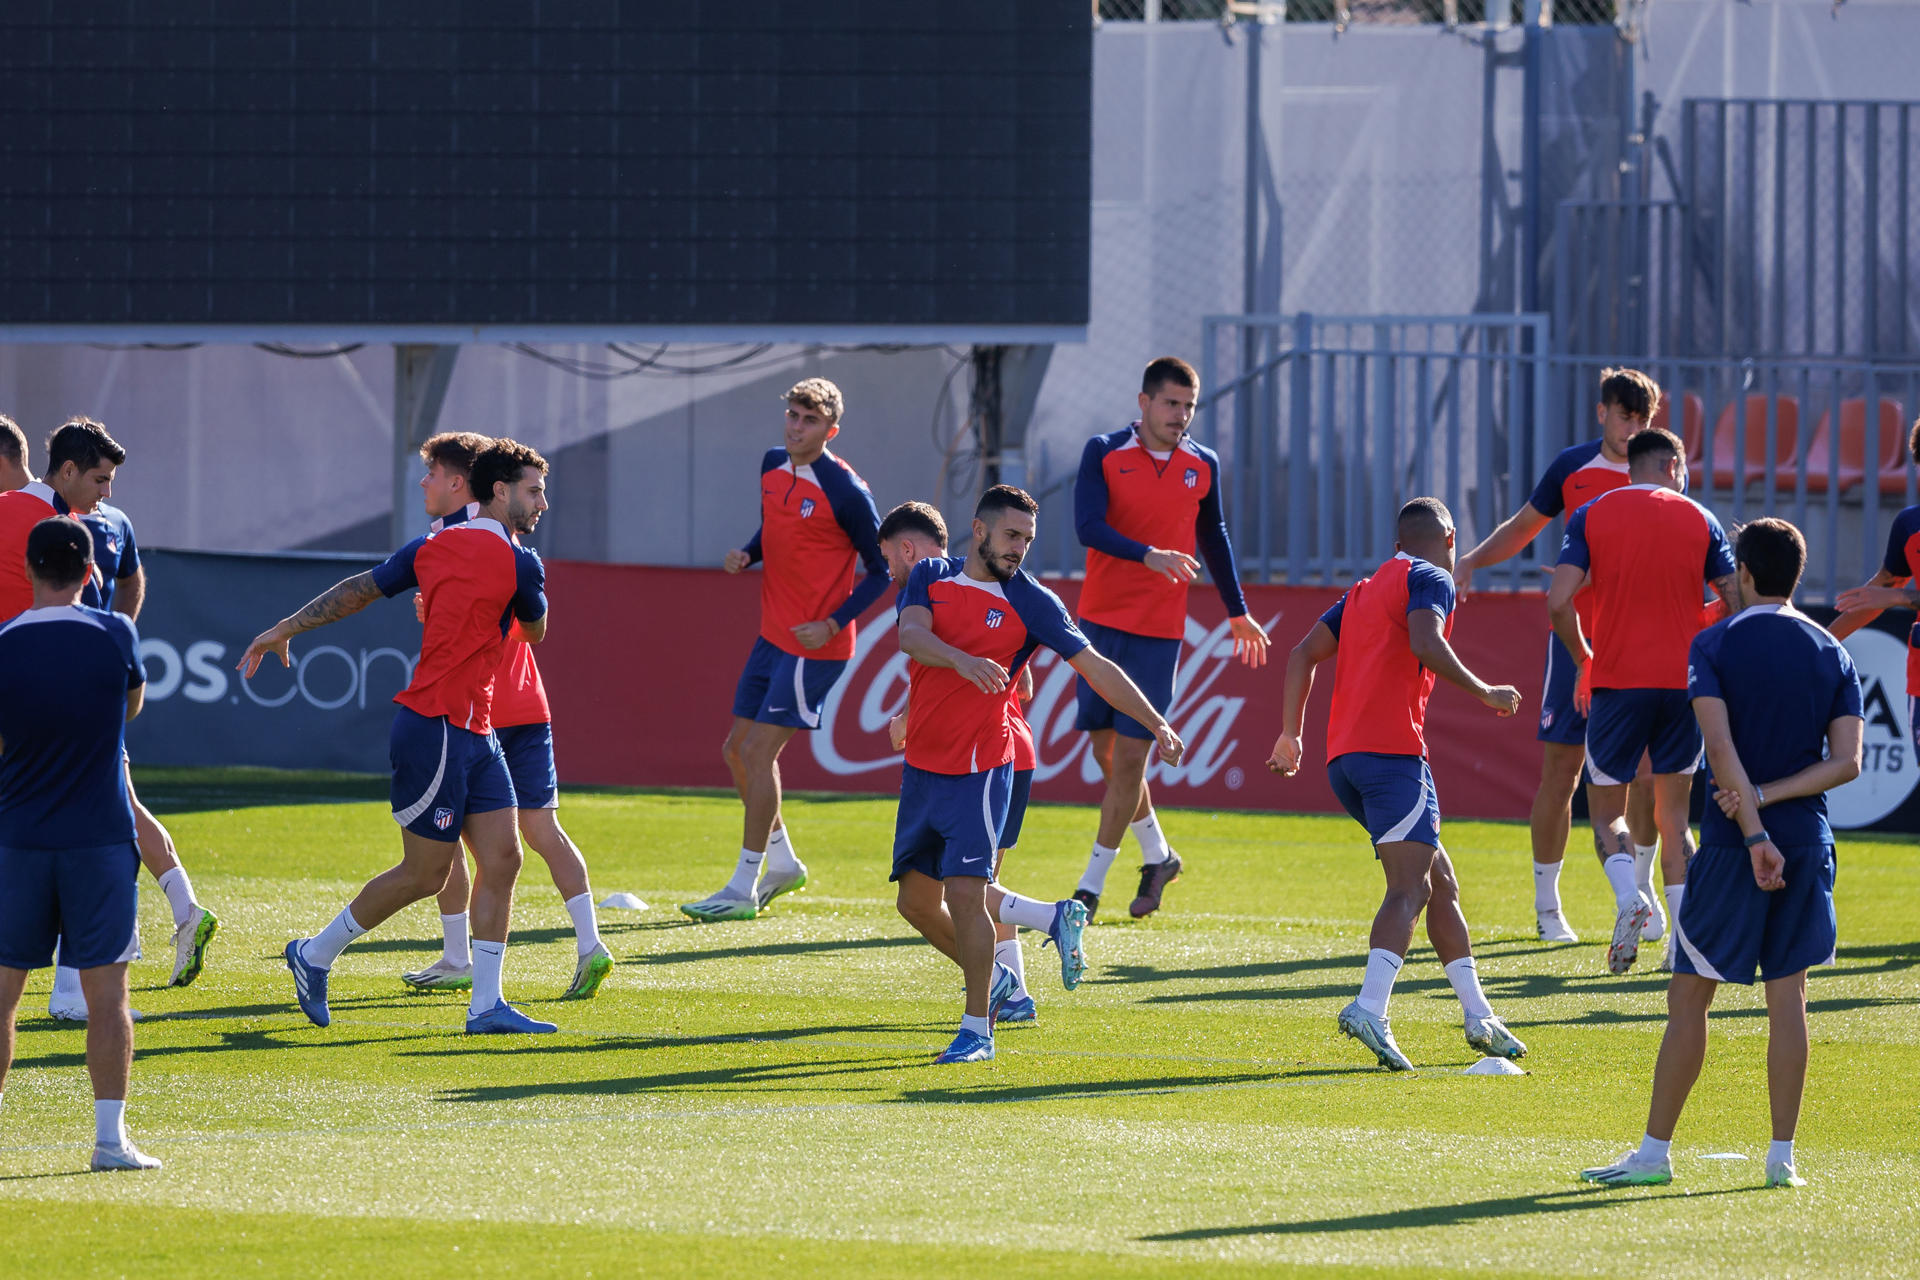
<point>1391,796</point>
<point>1623,724</point>
<point>529,752</point>
<point>84,899</point>
<point>949,823</point>
<point>1730,926</point>
<point>777,687</point>
<point>442,775</point>
<point>1016,808</point>
<point>1559,722</point>
<point>1149,661</point>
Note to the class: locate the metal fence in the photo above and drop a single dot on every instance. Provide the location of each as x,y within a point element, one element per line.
<point>1342,12</point>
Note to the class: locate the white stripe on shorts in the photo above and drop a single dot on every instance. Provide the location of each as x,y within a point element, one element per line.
<point>1400,828</point>
<point>407,815</point>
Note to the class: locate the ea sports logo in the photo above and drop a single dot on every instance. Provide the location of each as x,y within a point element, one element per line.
<point>443,818</point>
<point>1889,769</point>
<point>994,617</point>
<point>806,507</point>
<point>1193,477</point>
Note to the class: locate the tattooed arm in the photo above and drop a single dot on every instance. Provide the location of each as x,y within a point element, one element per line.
<point>337,602</point>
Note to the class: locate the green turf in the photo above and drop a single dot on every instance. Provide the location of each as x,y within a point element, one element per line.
<point>759,1096</point>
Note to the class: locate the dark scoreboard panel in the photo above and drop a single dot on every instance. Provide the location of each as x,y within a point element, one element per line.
<point>371,163</point>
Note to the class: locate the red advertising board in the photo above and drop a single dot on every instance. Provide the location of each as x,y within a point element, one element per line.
<point>641,662</point>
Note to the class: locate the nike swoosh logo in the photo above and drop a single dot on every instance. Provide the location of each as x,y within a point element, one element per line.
<point>1127,471</point>
<point>777,710</point>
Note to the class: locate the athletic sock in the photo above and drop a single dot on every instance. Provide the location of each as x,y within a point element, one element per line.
<point>1375,989</point>
<point>586,929</point>
<point>1028,913</point>
<point>1546,886</point>
<point>1652,1148</point>
<point>1153,841</point>
<point>453,946</point>
<point>1464,974</point>
<point>981,1026</point>
<point>780,854</point>
<point>1779,1152</point>
<point>488,958</point>
<point>1643,867</point>
<point>325,947</point>
<point>1619,869</point>
<point>66,984</point>
<point>179,891</point>
<point>1673,893</point>
<point>1009,954</point>
<point>744,874</point>
<point>1094,881</point>
<point>110,1122</point>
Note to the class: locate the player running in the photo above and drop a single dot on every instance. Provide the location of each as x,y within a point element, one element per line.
<point>1777,699</point>
<point>450,778</point>
<point>910,533</point>
<point>1390,632</point>
<point>1644,550</point>
<point>1579,474</point>
<point>70,679</point>
<point>82,459</point>
<point>968,626</point>
<point>817,521</point>
<point>522,722</point>
<point>1147,495</point>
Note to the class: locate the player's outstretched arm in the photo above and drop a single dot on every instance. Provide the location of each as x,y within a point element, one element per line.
<point>1318,645</point>
<point>1500,546</point>
<point>341,600</point>
<point>1730,774</point>
<point>1430,645</point>
<point>1124,696</point>
<point>919,643</point>
<point>1862,604</point>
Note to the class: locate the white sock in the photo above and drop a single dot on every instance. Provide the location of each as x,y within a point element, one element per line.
<point>1464,974</point>
<point>1619,869</point>
<point>66,984</point>
<point>1652,1148</point>
<point>1673,893</point>
<point>1028,913</point>
<point>1153,841</point>
<point>1643,867</point>
<point>488,957</point>
<point>1009,954</point>
<point>1382,968</point>
<point>1546,886</point>
<point>1095,879</point>
<point>979,1026</point>
<point>179,891</point>
<point>586,929</point>
<point>110,1122</point>
<point>744,874</point>
<point>323,948</point>
<point>780,854</point>
<point>453,941</point>
<point>1779,1152</point>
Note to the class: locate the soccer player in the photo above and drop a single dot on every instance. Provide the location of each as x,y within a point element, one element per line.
<point>82,459</point>
<point>1644,551</point>
<point>1579,474</point>
<point>522,722</point>
<point>1147,495</point>
<point>70,679</point>
<point>910,533</point>
<point>14,473</point>
<point>1892,587</point>
<point>817,521</point>
<point>1390,631</point>
<point>450,778</point>
<point>968,626</point>
<point>1779,704</point>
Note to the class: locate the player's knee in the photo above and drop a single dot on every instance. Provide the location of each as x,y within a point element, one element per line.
<point>730,752</point>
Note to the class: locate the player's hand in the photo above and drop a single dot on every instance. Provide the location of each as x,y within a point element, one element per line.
<point>1503,698</point>
<point>1872,598</point>
<point>419,608</point>
<point>735,560</point>
<point>1583,689</point>
<point>1286,757</point>
<point>1178,566</point>
<point>1768,866</point>
<point>1462,579</point>
<point>1024,689</point>
<point>273,641</point>
<point>812,635</point>
<point>1249,640</point>
<point>984,674</point>
<point>1728,800</point>
<point>897,731</point>
<point>1171,748</point>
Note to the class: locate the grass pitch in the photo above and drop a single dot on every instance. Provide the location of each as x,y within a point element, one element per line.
<point>759,1096</point>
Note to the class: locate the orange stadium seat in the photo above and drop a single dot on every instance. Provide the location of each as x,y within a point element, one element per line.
<point>1892,464</point>
<point>1753,467</point>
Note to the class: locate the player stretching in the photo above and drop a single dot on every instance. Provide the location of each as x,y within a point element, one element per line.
<point>910,533</point>
<point>523,724</point>
<point>1778,700</point>
<point>1578,475</point>
<point>969,626</point>
<point>81,462</point>
<point>1390,632</point>
<point>1644,551</point>
<point>449,776</point>
<point>817,521</point>
<point>70,679</point>
<point>1146,496</point>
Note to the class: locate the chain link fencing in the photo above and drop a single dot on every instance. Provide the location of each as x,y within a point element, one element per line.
<point>1370,12</point>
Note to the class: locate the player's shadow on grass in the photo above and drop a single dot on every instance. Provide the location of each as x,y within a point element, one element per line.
<point>431,946</point>
<point>1611,1017</point>
<point>1341,992</point>
<point>1441,1215</point>
<point>248,1041</point>
<point>1065,1090</point>
<point>642,1041</point>
<point>802,1076</point>
<point>779,949</point>
<point>51,1173</point>
<point>1135,974</point>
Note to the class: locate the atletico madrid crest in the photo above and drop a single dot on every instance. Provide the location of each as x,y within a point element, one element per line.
<point>1193,477</point>
<point>443,818</point>
<point>806,507</point>
<point>995,617</point>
